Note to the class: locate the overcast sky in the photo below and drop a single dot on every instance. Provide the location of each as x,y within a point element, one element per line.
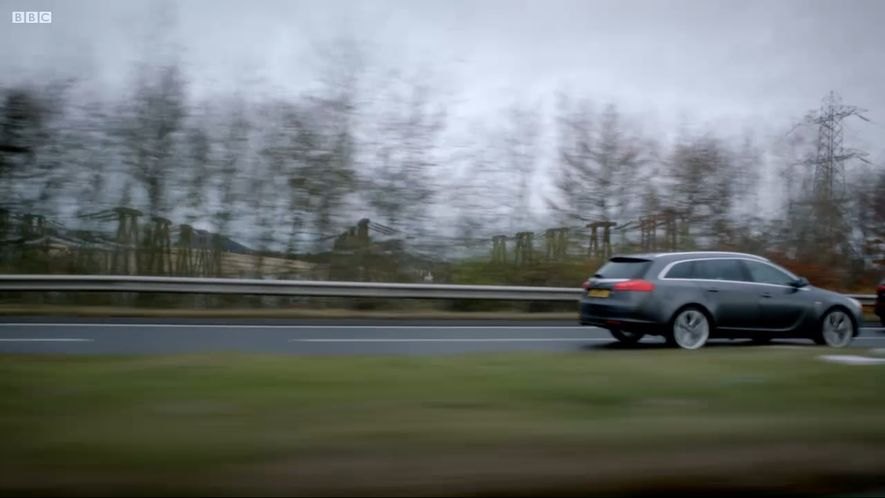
<point>730,64</point>
<point>708,58</point>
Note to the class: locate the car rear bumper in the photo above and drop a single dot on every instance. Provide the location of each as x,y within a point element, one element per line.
<point>626,316</point>
<point>627,325</point>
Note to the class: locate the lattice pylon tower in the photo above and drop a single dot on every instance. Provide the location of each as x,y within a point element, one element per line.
<point>829,159</point>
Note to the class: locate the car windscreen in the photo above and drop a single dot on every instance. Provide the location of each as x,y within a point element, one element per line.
<point>623,268</point>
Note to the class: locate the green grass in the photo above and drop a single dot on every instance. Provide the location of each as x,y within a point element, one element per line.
<point>599,422</point>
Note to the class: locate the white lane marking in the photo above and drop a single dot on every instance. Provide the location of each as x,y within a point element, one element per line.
<point>231,326</point>
<point>853,359</point>
<point>44,339</point>
<point>449,339</point>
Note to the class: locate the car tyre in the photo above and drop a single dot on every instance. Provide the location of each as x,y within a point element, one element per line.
<point>689,329</point>
<point>836,329</point>
<point>626,337</point>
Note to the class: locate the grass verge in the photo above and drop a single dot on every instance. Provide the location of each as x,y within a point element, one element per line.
<point>711,421</point>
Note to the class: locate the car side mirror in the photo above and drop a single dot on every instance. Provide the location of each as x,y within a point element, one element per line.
<point>800,282</point>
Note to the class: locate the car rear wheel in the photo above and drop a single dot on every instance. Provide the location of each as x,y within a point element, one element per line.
<point>836,329</point>
<point>690,329</point>
<point>626,337</point>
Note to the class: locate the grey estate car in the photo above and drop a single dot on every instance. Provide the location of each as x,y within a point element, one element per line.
<point>688,297</point>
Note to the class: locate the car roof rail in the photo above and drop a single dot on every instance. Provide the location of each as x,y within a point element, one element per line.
<point>729,253</point>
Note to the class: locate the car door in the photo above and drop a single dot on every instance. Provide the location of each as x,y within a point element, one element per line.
<point>781,306</point>
<point>734,303</point>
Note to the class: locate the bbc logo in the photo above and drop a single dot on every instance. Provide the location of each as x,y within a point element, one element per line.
<point>32,17</point>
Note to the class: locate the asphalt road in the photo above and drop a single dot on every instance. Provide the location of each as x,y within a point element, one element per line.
<point>322,337</point>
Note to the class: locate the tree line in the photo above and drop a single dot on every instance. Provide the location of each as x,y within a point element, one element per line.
<point>283,174</point>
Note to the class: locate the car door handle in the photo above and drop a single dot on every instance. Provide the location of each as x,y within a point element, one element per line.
<point>712,290</point>
<point>766,294</point>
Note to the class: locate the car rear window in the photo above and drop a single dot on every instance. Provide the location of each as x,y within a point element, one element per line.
<point>623,268</point>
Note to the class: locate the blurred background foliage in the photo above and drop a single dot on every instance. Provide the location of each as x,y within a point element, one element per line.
<point>360,179</point>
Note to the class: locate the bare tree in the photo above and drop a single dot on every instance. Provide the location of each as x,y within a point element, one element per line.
<point>149,126</point>
<point>196,158</point>
<point>233,146</point>
<point>520,142</point>
<point>868,213</point>
<point>575,172</point>
<point>597,164</point>
<point>622,156</point>
<point>322,173</point>
<point>400,178</point>
<point>32,143</point>
<point>876,210</point>
<point>93,156</point>
<point>704,177</point>
<point>748,170</point>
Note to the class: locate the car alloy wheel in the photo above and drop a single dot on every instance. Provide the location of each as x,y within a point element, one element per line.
<point>691,329</point>
<point>837,329</point>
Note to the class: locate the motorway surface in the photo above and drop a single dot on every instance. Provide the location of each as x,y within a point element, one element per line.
<point>324,337</point>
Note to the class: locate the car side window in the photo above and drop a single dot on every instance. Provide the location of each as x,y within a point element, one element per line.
<point>767,274</point>
<point>682,270</point>
<point>719,269</point>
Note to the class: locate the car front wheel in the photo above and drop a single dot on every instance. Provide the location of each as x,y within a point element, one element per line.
<point>836,329</point>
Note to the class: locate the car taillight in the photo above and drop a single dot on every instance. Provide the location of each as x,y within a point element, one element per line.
<point>880,289</point>
<point>634,286</point>
<point>586,284</point>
